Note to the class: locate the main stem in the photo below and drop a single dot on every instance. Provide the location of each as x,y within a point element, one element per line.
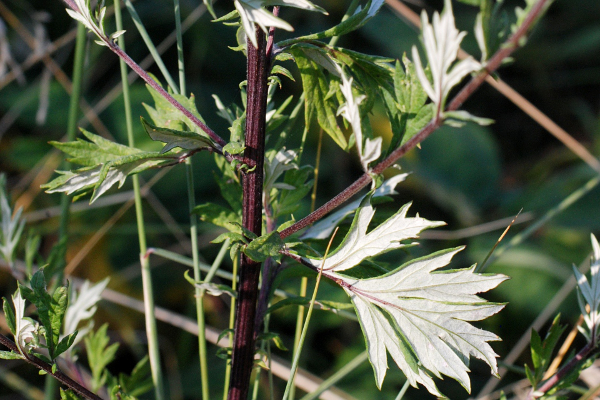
<point>243,346</point>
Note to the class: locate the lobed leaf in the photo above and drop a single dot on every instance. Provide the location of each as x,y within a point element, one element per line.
<point>421,316</point>
<point>359,245</point>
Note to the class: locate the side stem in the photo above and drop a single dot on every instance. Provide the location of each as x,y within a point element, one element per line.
<point>243,347</point>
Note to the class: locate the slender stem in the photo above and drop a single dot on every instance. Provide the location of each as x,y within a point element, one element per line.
<point>73,116</point>
<point>304,281</point>
<point>231,326</point>
<point>243,348</point>
<point>150,45</point>
<point>294,367</point>
<point>339,375</point>
<point>50,390</point>
<point>151,333</point>
<point>62,378</point>
<point>506,50</point>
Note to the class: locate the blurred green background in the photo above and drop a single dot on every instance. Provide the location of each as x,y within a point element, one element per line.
<point>466,176</point>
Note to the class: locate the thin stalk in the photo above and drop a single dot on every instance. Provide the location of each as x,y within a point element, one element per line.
<point>189,172</point>
<point>150,45</point>
<point>304,281</point>
<point>231,326</point>
<point>294,367</point>
<point>51,386</point>
<point>339,375</point>
<point>403,390</point>
<point>313,198</point>
<point>153,350</point>
<point>243,349</point>
<point>72,119</point>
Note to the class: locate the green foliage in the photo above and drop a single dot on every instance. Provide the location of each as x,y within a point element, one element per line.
<point>541,352</point>
<point>68,395</point>
<point>99,354</point>
<point>51,310</point>
<point>105,163</point>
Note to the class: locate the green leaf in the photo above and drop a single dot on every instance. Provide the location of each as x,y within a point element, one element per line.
<point>218,215</point>
<point>66,343</point>
<point>167,115</point>
<point>275,338</point>
<point>278,69</point>
<point>232,236</point>
<point>317,105</point>
<point>215,289</point>
<point>418,122</point>
<point>458,118</point>
<point>183,139</point>
<point>140,380</point>
<point>106,163</point>
<point>68,395</point>
<point>11,226</point>
<point>95,151</point>
<point>51,309</point>
<point>9,314</point>
<point>100,354</point>
<point>234,148</point>
<point>541,351</point>
<point>10,355</point>
<point>264,247</point>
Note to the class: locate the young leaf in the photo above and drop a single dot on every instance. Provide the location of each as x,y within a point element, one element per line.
<point>51,309</point>
<point>368,149</point>
<point>275,165</point>
<point>252,12</point>
<point>419,315</point>
<point>359,245</point>
<point>9,314</point>
<point>360,17</point>
<point>215,289</point>
<point>541,352</point>
<point>82,306</point>
<point>11,227</point>
<point>100,354</point>
<point>25,328</point>
<point>264,246</point>
<point>182,139</point>
<point>442,42</point>
<point>590,294</point>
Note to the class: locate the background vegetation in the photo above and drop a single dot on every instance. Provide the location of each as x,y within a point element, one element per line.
<point>467,177</point>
